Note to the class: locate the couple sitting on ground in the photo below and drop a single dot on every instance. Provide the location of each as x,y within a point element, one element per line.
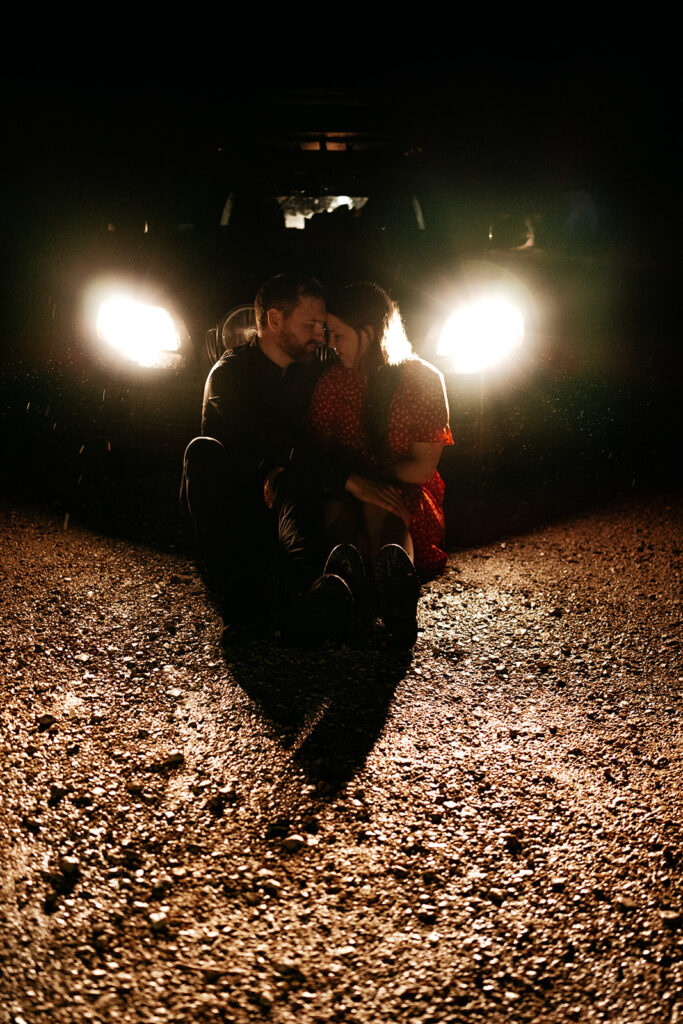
<point>332,464</point>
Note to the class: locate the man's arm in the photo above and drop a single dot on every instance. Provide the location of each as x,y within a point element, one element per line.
<point>230,414</point>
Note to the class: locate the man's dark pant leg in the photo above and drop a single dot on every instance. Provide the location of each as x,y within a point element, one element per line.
<point>231,526</point>
<point>298,508</point>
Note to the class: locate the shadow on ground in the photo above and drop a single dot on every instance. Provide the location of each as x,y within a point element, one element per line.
<point>328,707</point>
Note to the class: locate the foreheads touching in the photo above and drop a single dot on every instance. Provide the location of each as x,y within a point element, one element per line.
<point>283,293</point>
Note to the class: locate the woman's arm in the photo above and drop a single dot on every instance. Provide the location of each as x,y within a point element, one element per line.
<point>417,468</point>
<point>420,464</point>
<point>373,492</point>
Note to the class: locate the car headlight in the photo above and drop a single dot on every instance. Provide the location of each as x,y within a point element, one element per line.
<point>143,333</point>
<point>129,325</point>
<point>481,333</point>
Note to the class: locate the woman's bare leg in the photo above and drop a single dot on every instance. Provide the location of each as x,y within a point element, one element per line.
<point>368,527</point>
<point>382,528</point>
<point>344,524</point>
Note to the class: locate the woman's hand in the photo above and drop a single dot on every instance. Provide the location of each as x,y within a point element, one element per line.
<point>386,496</point>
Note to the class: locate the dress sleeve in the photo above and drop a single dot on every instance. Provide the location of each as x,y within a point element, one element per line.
<point>426,404</point>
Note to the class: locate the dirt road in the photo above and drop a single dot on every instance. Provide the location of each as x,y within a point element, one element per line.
<point>487,829</point>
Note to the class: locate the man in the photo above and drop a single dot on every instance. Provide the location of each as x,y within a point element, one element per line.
<point>246,498</point>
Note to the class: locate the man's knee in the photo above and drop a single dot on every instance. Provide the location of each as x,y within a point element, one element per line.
<point>203,455</point>
<point>203,482</point>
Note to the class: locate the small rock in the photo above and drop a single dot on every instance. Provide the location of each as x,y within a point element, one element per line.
<point>70,865</point>
<point>212,972</point>
<point>288,967</point>
<point>175,758</point>
<point>216,802</point>
<point>45,721</point>
<point>57,793</point>
<point>158,920</point>
<point>293,843</point>
<point>266,999</point>
<point>512,843</point>
<point>671,918</point>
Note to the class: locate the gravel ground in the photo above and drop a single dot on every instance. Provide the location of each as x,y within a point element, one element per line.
<point>485,829</point>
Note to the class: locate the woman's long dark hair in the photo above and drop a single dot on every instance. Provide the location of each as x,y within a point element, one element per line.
<point>365,305</point>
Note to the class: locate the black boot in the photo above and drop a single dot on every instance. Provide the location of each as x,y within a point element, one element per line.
<point>398,592</point>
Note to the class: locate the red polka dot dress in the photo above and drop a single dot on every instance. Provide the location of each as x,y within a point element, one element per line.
<point>418,413</point>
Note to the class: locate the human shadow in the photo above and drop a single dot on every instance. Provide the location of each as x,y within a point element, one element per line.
<point>327,706</point>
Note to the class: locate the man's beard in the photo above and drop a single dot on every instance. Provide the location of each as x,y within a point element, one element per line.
<point>298,351</point>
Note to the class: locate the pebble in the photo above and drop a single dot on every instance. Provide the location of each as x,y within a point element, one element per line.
<point>175,758</point>
<point>293,843</point>
<point>512,843</point>
<point>216,802</point>
<point>57,793</point>
<point>266,998</point>
<point>70,865</point>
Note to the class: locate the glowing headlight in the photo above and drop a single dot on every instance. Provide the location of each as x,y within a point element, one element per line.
<point>141,332</point>
<point>481,334</point>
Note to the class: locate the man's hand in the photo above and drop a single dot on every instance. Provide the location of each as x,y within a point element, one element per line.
<point>386,496</point>
<point>269,486</point>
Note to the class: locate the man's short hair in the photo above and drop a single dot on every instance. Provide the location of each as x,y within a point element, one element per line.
<point>283,292</point>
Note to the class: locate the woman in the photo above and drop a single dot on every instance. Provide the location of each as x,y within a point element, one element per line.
<point>382,414</point>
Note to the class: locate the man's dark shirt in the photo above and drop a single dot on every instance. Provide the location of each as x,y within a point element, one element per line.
<point>257,410</point>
